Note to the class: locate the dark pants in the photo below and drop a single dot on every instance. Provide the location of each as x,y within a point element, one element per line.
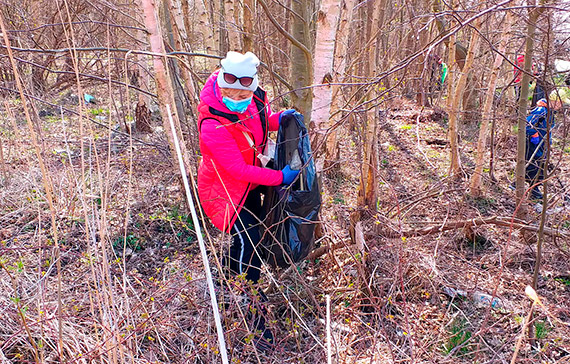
<point>245,236</point>
<point>534,173</point>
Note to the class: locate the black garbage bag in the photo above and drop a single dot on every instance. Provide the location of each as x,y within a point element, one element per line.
<point>292,212</point>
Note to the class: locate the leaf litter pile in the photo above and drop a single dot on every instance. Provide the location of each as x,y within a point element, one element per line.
<point>124,281</point>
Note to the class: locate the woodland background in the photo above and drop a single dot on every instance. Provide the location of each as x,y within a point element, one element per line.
<point>98,255</point>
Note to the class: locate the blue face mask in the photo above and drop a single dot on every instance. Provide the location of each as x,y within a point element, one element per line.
<point>236,106</point>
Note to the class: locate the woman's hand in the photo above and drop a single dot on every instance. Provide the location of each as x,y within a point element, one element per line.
<point>289,175</point>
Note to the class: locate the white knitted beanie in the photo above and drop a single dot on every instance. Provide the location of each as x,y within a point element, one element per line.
<point>239,65</point>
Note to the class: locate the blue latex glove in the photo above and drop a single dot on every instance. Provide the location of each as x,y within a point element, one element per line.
<point>286,112</point>
<point>289,175</point>
<point>534,139</point>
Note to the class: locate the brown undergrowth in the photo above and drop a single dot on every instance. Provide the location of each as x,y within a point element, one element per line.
<point>133,287</point>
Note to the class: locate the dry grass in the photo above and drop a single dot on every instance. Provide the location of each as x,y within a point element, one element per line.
<point>133,289</point>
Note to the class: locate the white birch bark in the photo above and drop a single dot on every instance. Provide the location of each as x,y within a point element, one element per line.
<point>181,41</point>
<point>368,189</point>
<point>205,29</point>
<point>163,86</point>
<point>327,21</point>
<point>231,22</point>
<point>342,36</point>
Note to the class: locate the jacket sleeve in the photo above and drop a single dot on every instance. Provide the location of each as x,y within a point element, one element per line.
<point>530,120</point>
<point>533,118</point>
<point>226,154</point>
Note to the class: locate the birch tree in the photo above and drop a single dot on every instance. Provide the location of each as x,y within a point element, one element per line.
<point>180,40</point>
<point>327,19</point>
<point>248,25</point>
<point>232,25</point>
<point>368,188</point>
<point>164,87</point>
<point>455,167</point>
<point>301,58</point>
<point>523,102</point>
<point>339,74</point>
<point>202,28</point>
<point>173,63</point>
<point>486,113</point>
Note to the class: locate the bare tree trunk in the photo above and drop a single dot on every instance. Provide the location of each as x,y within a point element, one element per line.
<point>180,40</point>
<point>248,11</point>
<point>203,27</point>
<point>185,10</point>
<point>218,13</point>
<point>301,62</point>
<point>217,36</point>
<point>327,21</point>
<point>342,36</point>
<point>470,98</point>
<point>173,62</point>
<point>368,188</point>
<point>455,167</point>
<point>457,52</point>
<point>523,102</point>
<point>232,25</point>
<point>142,74</point>
<point>422,65</point>
<point>451,67</point>
<point>486,113</point>
<point>163,86</point>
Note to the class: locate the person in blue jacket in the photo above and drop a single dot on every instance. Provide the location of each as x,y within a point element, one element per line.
<point>538,123</point>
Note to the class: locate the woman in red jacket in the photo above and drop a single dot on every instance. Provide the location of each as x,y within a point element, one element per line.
<point>233,124</point>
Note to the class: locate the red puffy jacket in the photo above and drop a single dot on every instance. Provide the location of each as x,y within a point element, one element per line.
<point>230,168</point>
<point>516,71</point>
<point>520,64</point>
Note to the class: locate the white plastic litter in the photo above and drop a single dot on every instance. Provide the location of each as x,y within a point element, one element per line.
<point>296,163</point>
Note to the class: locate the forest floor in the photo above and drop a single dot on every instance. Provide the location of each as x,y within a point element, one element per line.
<point>132,287</point>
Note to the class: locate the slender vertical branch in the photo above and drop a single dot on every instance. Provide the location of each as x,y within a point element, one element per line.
<point>488,104</point>
<point>47,183</point>
<point>523,102</point>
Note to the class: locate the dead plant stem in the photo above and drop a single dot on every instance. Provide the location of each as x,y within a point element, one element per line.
<point>48,186</point>
<point>17,301</point>
<point>90,231</point>
<point>544,166</point>
<point>521,337</point>
<point>3,163</point>
<point>129,196</point>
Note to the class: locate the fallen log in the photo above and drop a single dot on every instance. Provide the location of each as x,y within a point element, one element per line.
<point>441,226</point>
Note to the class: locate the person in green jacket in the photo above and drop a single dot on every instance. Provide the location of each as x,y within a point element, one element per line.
<point>443,70</point>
